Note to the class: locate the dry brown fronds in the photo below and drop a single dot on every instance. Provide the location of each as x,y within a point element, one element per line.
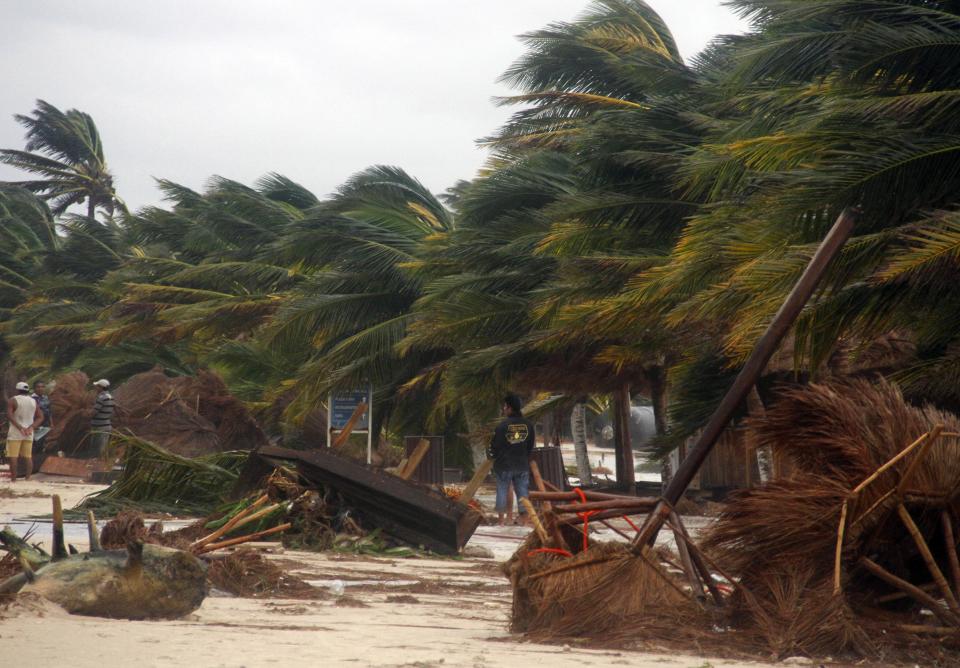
<point>247,573</point>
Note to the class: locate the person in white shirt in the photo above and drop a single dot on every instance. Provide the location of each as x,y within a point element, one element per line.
<point>24,415</point>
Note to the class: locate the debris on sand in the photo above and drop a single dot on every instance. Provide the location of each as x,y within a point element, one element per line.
<point>248,574</point>
<point>849,551</point>
<point>139,582</point>
<point>404,511</point>
<point>185,415</point>
<point>854,555</point>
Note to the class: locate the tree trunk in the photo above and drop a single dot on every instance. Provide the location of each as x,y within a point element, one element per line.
<point>625,472</point>
<point>755,409</point>
<point>658,397</point>
<point>578,427</point>
<point>91,208</point>
<point>478,439</point>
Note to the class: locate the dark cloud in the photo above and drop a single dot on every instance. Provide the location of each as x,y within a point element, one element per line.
<point>315,90</point>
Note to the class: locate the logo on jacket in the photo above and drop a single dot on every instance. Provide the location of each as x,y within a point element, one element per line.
<point>517,433</point>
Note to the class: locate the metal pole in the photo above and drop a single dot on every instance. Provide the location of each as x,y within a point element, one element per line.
<point>749,374</point>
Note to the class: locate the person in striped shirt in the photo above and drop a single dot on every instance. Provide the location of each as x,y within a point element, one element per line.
<point>102,423</point>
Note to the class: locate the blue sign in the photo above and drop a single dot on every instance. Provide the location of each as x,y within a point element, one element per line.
<point>342,406</point>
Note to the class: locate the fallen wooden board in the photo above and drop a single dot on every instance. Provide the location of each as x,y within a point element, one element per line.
<point>405,510</point>
<point>69,466</point>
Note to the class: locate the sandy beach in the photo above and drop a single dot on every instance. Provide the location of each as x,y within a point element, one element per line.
<point>420,612</point>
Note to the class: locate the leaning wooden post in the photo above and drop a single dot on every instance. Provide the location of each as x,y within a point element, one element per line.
<point>540,485</point>
<point>478,477</point>
<point>351,424</point>
<point>951,541</point>
<point>418,454</point>
<point>59,546</point>
<point>749,374</point>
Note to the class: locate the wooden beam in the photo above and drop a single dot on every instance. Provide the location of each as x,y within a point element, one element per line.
<point>914,592</point>
<point>479,476</point>
<point>927,555</point>
<point>351,425</point>
<point>418,454</point>
<point>750,373</point>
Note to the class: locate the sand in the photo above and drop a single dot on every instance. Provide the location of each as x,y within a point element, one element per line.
<point>392,612</point>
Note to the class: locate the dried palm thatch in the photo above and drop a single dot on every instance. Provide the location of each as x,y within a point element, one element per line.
<point>187,415</point>
<point>799,544</point>
<point>593,592</point>
<point>71,400</point>
<point>247,573</point>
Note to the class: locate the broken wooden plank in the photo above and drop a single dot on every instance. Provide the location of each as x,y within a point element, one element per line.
<point>478,477</point>
<point>70,466</point>
<point>412,513</point>
<point>351,425</point>
<point>418,454</point>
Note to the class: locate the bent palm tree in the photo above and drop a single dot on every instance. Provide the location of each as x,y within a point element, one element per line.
<point>65,151</point>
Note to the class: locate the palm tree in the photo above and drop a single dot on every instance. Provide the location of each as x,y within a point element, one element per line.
<point>65,151</point>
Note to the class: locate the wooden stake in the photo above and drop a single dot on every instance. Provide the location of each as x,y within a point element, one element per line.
<point>928,558</point>
<point>229,526</point>
<point>92,534</point>
<point>911,470</point>
<point>478,477</point>
<point>920,629</point>
<point>555,531</point>
<point>418,454</point>
<point>634,502</point>
<point>571,566</point>
<point>536,495</point>
<point>244,539</point>
<point>838,553</point>
<point>59,547</point>
<point>750,373</point>
<point>914,592</point>
<point>951,541</point>
<point>896,458</point>
<point>537,525</point>
<point>604,515</point>
<point>705,575</point>
<point>351,424</point>
<point>696,586</point>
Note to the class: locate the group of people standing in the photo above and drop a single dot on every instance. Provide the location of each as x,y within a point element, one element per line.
<point>30,418</point>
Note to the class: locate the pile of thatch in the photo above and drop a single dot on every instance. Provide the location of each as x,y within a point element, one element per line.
<point>595,593</point>
<point>72,400</point>
<point>848,557</point>
<point>821,553</point>
<point>187,415</point>
<point>247,573</point>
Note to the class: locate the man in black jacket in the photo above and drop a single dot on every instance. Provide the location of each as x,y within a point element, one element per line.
<point>510,449</point>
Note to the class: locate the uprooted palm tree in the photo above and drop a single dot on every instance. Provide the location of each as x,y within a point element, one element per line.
<point>64,150</point>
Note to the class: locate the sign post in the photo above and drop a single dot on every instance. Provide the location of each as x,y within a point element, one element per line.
<point>341,405</point>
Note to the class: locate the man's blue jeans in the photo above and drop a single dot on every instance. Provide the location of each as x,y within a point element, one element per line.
<point>521,486</point>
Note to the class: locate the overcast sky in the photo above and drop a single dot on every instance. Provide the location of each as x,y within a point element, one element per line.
<point>313,89</point>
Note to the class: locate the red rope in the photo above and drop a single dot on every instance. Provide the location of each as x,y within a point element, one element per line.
<point>549,550</point>
<point>585,516</point>
<point>632,525</point>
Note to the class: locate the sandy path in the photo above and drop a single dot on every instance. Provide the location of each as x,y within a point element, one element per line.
<point>415,612</point>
